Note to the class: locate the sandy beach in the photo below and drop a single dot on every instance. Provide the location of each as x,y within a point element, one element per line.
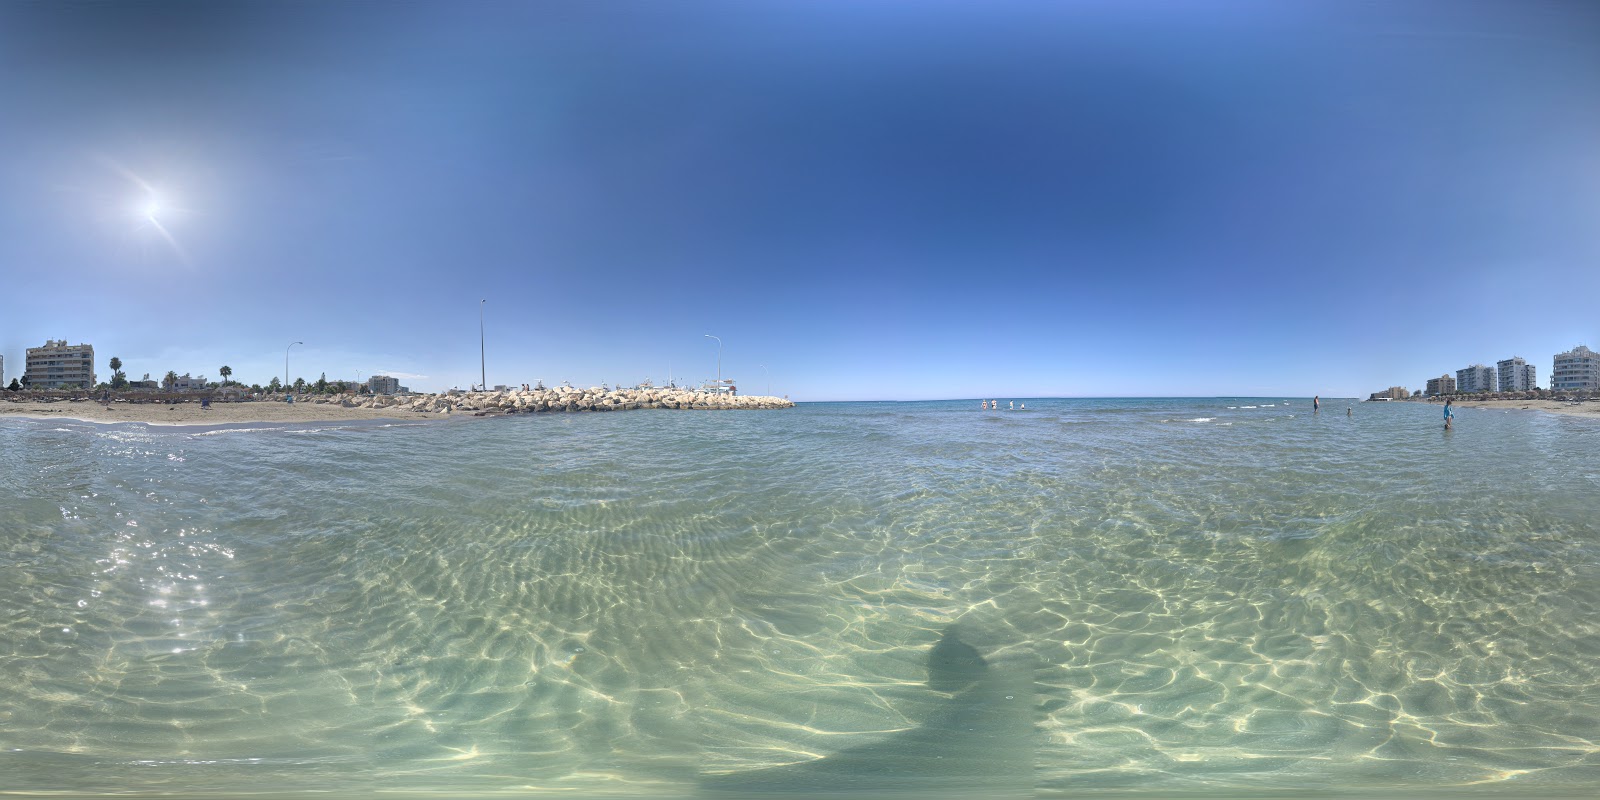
<point>1586,408</point>
<point>190,413</point>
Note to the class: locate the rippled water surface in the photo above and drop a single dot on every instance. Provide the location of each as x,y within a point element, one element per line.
<point>1167,596</point>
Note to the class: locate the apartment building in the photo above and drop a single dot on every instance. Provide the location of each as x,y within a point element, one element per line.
<point>1476,378</point>
<point>1576,369</point>
<point>58,365</point>
<point>1516,375</point>
<point>1444,384</point>
<point>383,384</point>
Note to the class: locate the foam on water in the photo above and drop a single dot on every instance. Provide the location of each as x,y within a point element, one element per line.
<point>633,604</point>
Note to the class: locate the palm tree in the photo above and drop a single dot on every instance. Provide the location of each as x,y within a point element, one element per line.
<point>171,380</point>
<point>116,364</point>
<point>300,385</point>
<point>225,372</point>
<point>118,380</point>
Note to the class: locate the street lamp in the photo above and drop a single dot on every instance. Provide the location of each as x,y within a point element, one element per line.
<point>769,378</point>
<point>719,356</point>
<point>286,365</point>
<point>483,374</point>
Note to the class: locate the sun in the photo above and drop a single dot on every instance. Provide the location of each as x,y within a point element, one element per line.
<point>151,208</point>
<point>151,211</point>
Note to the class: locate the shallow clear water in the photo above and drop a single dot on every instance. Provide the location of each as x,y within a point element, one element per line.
<point>1173,596</point>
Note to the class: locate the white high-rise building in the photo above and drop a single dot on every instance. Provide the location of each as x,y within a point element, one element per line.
<point>383,384</point>
<point>1516,375</point>
<point>1576,369</point>
<point>59,365</point>
<point>1476,378</point>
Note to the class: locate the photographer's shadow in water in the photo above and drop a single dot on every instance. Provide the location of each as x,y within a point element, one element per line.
<point>979,742</point>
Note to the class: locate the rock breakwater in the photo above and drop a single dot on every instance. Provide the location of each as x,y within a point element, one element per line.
<point>560,399</point>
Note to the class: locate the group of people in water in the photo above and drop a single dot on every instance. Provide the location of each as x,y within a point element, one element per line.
<point>994,405</point>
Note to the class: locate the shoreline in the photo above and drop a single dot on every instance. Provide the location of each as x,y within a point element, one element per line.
<point>1584,408</point>
<point>190,414</point>
<point>187,411</point>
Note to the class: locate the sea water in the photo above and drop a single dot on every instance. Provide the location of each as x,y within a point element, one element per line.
<point>1201,596</point>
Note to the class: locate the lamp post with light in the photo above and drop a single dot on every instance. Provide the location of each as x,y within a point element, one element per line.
<point>286,365</point>
<point>719,356</point>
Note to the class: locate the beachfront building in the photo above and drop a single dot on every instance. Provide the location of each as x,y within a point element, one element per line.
<point>1391,393</point>
<point>1516,375</point>
<point>59,365</point>
<point>186,383</point>
<point>1444,384</point>
<point>1577,369</point>
<point>383,384</point>
<point>1476,378</point>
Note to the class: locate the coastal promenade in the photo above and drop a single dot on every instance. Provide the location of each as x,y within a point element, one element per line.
<point>128,406</point>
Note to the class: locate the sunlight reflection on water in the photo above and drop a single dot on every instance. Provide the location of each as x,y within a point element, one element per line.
<point>1207,596</point>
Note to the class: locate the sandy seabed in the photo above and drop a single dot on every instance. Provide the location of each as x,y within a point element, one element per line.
<point>190,413</point>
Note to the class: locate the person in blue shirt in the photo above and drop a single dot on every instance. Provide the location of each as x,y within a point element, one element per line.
<point>1448,414</point>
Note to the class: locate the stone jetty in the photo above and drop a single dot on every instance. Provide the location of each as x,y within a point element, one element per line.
<point>559,399</point>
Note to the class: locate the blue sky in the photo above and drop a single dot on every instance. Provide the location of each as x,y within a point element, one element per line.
<point>880,200</point>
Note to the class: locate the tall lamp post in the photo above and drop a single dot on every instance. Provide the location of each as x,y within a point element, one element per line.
<point>769,378</point>
<point>286,365</point>
<point>719,356</point>
<point>483,374</point>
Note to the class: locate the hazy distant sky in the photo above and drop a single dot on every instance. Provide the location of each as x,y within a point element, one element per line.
<point>875,200</point>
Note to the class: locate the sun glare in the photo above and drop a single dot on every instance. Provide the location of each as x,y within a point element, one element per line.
<point>151,209</point>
